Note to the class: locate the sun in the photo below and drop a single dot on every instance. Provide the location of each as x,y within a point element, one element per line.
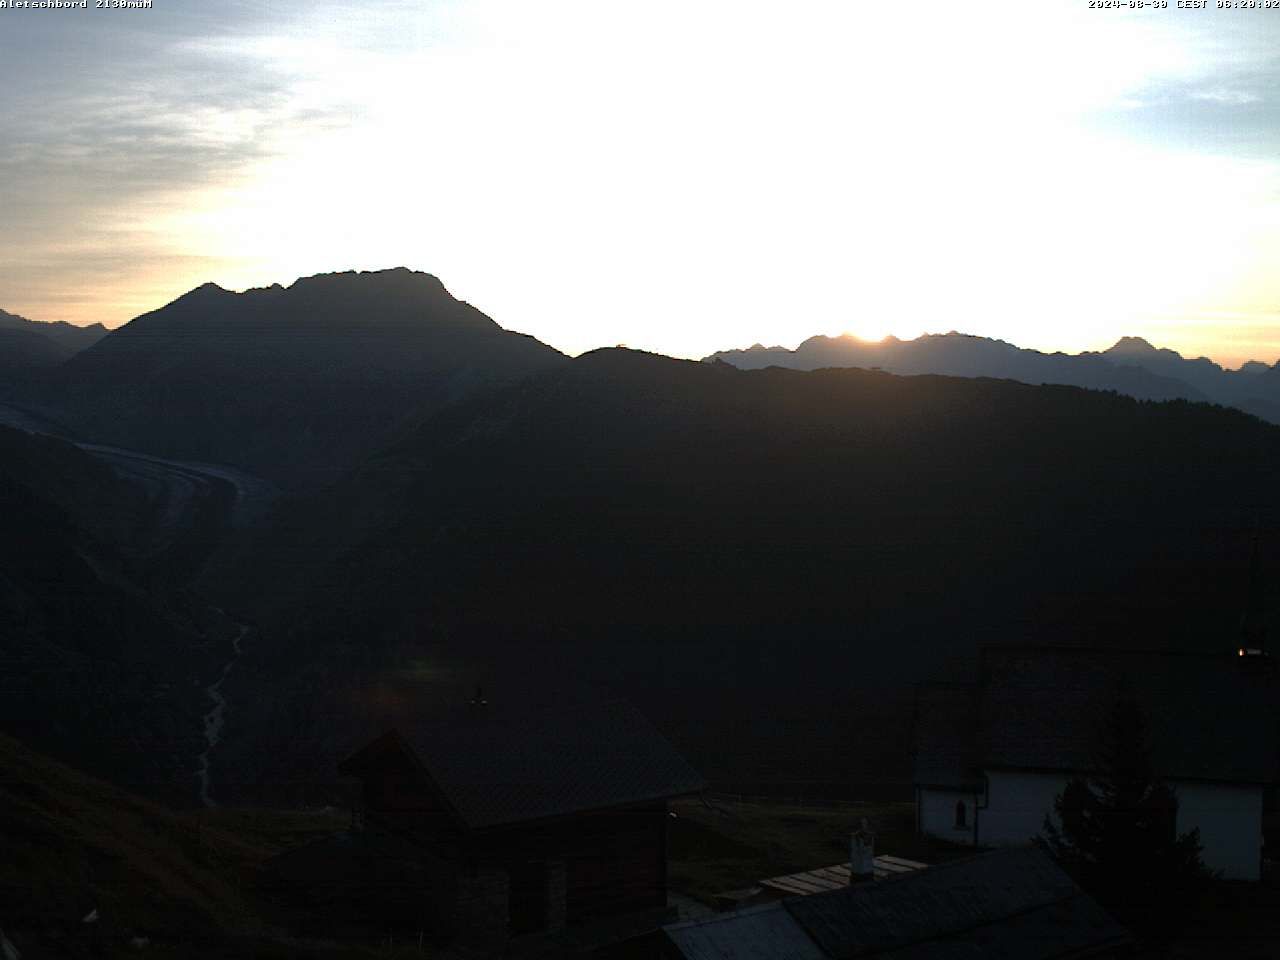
<point>866,334</point>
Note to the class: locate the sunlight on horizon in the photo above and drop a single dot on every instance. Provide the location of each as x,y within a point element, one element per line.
<point>689,178</point>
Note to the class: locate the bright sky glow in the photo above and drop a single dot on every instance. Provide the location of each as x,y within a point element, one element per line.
<point>678,176</point>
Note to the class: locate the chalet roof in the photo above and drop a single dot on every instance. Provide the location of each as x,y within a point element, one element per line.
<point>946,727</point>
<point>1042,708</point>
<point>1013,903</point>
<point>1208,717</point>
<point>756,933</point>
<point>496,767</point>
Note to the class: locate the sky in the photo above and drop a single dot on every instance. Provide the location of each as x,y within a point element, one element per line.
<point>677,176</point>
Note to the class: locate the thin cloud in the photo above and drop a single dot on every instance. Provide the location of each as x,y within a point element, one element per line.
<point>1232,97</point>
<point>122,132</point>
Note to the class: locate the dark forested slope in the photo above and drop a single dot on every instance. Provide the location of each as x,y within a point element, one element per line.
<point>765,560</point>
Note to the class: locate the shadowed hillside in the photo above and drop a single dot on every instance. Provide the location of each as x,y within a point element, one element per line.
<point>153,882</point>
<point>764,561</point>
<point>88,492</point>
<point>29,348</point>
<point>296,384</point>
<point>73,845</point>
<point>94,668</point>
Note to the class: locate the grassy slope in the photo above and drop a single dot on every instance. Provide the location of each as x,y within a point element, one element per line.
<point>75,844</point>
<point>187,882</point>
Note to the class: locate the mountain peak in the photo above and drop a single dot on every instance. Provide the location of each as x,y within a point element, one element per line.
<point>205,291</point>
<point>297,383</point>
<point>395,278</point>
<point>1253,368</point>
<point>1132,345</point>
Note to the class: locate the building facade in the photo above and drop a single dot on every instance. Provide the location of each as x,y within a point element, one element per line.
<point>992,757</point>
<point>528,823</point>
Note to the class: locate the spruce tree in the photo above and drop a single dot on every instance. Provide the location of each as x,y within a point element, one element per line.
<point>1116,828</point>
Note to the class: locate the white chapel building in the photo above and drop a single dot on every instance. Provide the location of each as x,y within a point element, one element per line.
<point>991,757</point>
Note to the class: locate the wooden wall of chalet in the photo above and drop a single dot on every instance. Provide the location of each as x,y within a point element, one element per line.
<point>612,862</point>
<point>618,865</point>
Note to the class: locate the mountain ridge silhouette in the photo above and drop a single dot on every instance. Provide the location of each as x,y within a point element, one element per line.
<point>296,383</point>
<point>1132,366</point>
<point>30,347</point>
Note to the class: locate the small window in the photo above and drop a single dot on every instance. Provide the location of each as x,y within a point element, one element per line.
<point>962,816</point>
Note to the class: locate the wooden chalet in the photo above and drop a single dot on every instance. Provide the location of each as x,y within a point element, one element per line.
<point>529,822</point>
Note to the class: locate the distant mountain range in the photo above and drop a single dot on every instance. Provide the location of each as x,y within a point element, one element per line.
<point>297,384</point>
<point>1132,367</point>
<point>28,347</point>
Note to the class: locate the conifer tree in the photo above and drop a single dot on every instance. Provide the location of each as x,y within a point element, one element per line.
<point>1116,828</point>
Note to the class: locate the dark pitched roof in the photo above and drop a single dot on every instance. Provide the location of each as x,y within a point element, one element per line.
<point>1209,717</point>
<point>958,899</point>
<point>1040,708</point>
<point>494,767</point>
<point>945,733</point>
<point>1012,903</point>
<point>768,932</point>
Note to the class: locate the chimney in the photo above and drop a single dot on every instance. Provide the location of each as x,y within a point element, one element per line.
<point>862,853</point>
